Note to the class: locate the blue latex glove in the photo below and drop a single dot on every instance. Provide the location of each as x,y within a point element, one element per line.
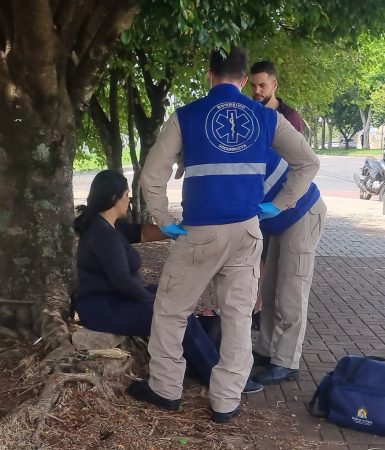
<point>173,230</point>
<point>268,210</point>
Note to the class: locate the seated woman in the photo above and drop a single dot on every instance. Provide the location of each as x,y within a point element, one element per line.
<point>111,295</point>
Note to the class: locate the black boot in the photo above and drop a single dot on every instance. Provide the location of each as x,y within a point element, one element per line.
<point>141,391</point>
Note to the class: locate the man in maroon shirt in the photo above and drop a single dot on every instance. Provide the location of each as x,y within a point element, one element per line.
<point>263,82</point>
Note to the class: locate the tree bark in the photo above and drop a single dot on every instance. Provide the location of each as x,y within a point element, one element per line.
<point>36,212</point>
<point>315,128</point>
<point>330,135</point>
<point>323,136</point>
<point>136,201</point>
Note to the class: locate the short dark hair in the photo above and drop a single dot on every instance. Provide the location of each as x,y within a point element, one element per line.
<point>234,65</point>
<point>264,66</point>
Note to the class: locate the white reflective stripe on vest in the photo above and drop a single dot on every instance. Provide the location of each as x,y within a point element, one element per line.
<point>202,170</point>
<point>275,176</point>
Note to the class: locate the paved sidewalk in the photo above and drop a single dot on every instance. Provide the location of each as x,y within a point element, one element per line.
<point>346,316</point>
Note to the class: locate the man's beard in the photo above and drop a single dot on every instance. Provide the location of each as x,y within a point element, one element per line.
<point>265,101</point>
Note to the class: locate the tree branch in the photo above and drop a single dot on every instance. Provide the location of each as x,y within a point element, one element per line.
<point>101,10</point>
<point>165,84</point>
<point>140,116</point>
<point>156,93</point>
<point>113,101</point>
<point>148,81</point>
<point>83,80</point>
<point>69,18</point>
<point>99,117</point>
<point>32,59</point>
<point>130,123</point>
<point>102,125</point>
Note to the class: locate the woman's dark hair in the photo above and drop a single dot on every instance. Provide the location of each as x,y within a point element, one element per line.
<point>106,189</point>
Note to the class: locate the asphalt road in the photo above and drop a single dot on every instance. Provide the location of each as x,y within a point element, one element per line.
<point>334,179</point>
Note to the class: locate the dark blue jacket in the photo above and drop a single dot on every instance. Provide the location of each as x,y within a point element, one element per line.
<point>276,175</point>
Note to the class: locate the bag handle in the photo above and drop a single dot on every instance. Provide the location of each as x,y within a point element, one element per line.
<point>354,367</point>
<point>310,405</point>
<point>313,406</point>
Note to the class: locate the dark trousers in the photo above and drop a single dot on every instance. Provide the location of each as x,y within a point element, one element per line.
<point>129,318</point>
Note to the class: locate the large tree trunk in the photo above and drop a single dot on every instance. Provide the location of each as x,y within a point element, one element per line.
<point>51,58</point>
<point>366,117</point>
<point>36,209</point>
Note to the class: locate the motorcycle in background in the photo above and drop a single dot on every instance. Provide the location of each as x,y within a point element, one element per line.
<point>371,180</point>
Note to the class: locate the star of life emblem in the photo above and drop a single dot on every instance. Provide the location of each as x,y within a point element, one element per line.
<point>231,127</point>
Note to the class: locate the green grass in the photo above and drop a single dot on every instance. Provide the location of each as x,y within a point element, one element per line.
<point>96,162</point>
<point>351,152</point>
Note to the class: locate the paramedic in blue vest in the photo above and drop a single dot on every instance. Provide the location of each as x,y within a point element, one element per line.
<point>225,139</point>
<point>290,241</point>
<point>264,84</point>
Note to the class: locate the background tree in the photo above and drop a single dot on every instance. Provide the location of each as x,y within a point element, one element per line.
<point>107,125</point>
<point>346,116</point>
<point>378,102</point>
<point>369,67</point>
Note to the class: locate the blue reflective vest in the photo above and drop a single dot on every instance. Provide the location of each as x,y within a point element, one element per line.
<point>276,175</point>
<point>226,138</point>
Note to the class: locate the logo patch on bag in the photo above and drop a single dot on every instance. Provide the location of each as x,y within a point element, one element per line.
<point>362,417</point>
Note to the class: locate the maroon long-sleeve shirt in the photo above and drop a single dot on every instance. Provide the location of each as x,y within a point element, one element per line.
<point>291,115</point>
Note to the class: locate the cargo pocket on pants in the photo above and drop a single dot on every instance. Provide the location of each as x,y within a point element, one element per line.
<point>250,248</point>
<point>204,243</point>
<point>256,247</point>
<point>307,240</point>
<point>305,260</point>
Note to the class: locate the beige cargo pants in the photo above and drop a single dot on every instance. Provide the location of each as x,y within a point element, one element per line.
<point>229,254</point>
<point>286,288</point>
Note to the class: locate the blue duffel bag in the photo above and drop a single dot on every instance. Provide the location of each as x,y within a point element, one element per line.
<point>353,395</point>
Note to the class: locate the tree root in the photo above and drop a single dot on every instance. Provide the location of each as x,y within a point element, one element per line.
<point>62,365</point>
<point>10,301</point>
<point>8,332</point>
<point>52,391</point>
